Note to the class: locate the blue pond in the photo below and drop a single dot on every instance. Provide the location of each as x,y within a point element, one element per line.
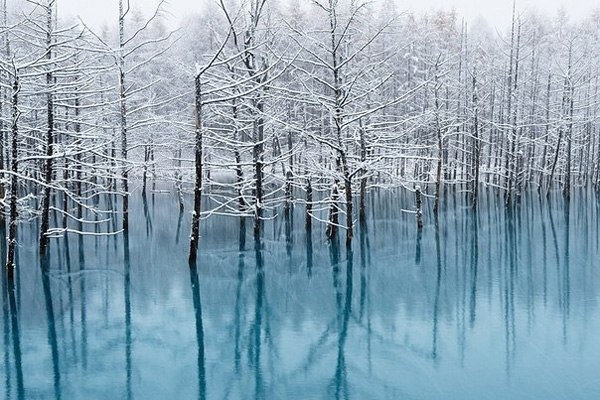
<point>486,304</point>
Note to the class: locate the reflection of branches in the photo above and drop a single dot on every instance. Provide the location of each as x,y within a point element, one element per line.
<point>16,337</point>
<point>238,294</point>
<point>51,321</point>
<point>566,297</point>
<point>341,375</point>
<point>254,349</point>
<point>195,286</point>
<point>509,288</point>
<point>391,346</point>
<point>474,266</point>
<point>127,297</point>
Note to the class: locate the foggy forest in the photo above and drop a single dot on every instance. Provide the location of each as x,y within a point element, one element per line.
<point>294,196</point>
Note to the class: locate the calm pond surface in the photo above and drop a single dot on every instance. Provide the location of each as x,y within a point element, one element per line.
<point>492,305</point>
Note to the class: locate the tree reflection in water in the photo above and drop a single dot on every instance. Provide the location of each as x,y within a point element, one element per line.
<point>268,316</point>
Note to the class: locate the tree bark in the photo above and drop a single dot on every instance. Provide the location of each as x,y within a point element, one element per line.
<point>12,222</point>
<point>195,236</point>
<point>45,223</point>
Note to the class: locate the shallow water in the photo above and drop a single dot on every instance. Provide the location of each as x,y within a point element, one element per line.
<point>488,305</point>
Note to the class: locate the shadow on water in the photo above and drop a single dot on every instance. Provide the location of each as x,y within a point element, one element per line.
<point>82,298</point>
<point>5,320</point>
<point>342,390</point>
<point>438,286</point>
<point>51,322</point>
<point>511,249</point>
<point>287,314</point>
<point>196,298</point>
<point>474,264</point>
<point>255,348</point>
<point>11,331</point>
<point>238,295</point>
<point>289,222</point>
<point>16,340</point>
<point>365,249</point>
<point>309,253</point>
<point>178,230</point>
<point>566,273</point>
<point>365,264</point>
<point>127,297</point>
<point>147,214</point>
<point>418,246</point>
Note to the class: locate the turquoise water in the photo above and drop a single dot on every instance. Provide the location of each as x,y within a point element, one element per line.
<point>492,304</point>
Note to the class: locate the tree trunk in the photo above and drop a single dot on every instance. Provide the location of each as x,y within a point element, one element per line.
<point>123,111</point>
<point>195,236</point>
<point>476,144</point>
<point>332,226</point>
<point>570,101</point>
<point>362,215</point>
<point>438,130</point>
<point>257,153</point>
<point>45,223</point>
<point>12,222</point>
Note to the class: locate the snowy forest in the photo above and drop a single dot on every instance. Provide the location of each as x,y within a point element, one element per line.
<point>258,106</point>
<point>458,162</point>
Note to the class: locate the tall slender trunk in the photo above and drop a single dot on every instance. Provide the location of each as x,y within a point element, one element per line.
<point>363,176</point>
<point>12,222</point>
<point>546,133</point>
<point>257,153</point>
<point>123,111</point>
<point>238,158</point>
<point>309,204</point>
<point>440,145</point>
<point>45,223</point>
<point>195,236</point>
<point>476,143</point>
<point>338,120</point>
<point>569,115</point>
<point>332,225</point>
<point>2,126</point>
<point>512,115</point>
<point>509,162</point>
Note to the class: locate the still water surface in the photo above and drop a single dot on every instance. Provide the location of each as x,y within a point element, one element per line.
<point>488,305</point>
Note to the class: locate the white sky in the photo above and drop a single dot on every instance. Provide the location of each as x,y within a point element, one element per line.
<point>496,12</point>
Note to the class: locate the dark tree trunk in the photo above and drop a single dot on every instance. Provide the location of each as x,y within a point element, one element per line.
<point>45,223</point>
<point>12,223</point>
<point>123,110</point>
<point>476,144</point>
<point>332,226</point>
<point>362,215</point>
<point>257,153</point>
<point>419,204</point>
<point>195,236</point>
<point>309,200</point>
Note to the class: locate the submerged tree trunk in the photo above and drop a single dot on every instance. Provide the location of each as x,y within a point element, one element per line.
<point>438,130</point>
<point>332,225</point>
<point>238,158</point>
<point>476,144</point>
<point>45,223</point>
<point>419,207</point>
<point>195,236</point>
<point>362,216</point>
<point>12,222</point>
<point>309,201</point>
<point>569,115</point>
<point>123,111</point>
<point>511,87</point>
<point>3,128</point>
<point>258,133</point>
<point>349,207</point>
<point>546,134</point>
